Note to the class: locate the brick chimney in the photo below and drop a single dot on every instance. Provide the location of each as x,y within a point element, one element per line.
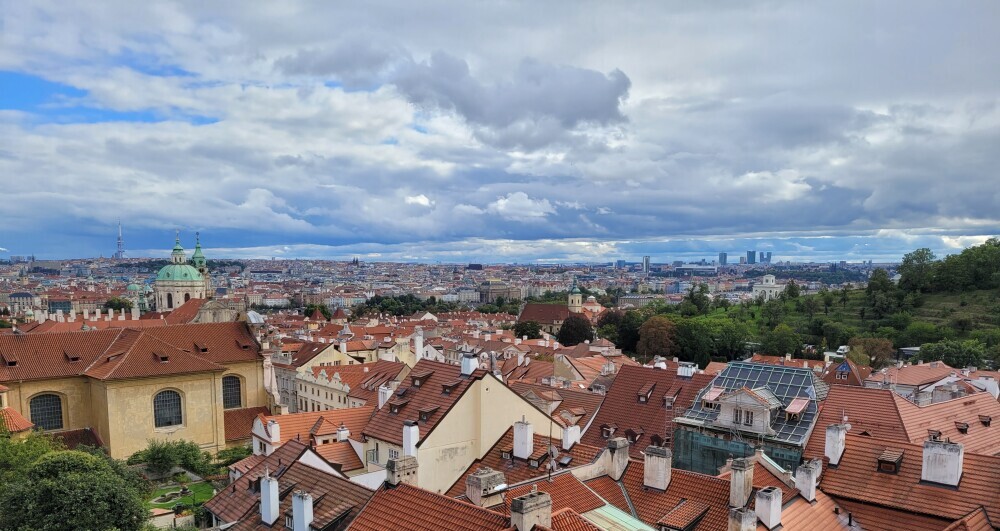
<point>836,436</point>
<point>943,462</point>
<point>485,487</point>
<point>618,447</point>
<point>806,478</point>
<point>656,468</point>
<point>740,482</point>
<point>767,506</point>
<point>524,440</point>
<point>302,511</point>
<point>402,470</point>
<point>269,502</point>
<point>742,520</point>
<point>534,508</point>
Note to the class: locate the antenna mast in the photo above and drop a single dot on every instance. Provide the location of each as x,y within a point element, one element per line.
<point>120,253</point>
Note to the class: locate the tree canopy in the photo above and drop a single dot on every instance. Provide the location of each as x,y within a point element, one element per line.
<point>529,329</point>
<point>575,330</point>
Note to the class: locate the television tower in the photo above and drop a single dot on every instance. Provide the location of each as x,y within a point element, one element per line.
<point>121,243</point>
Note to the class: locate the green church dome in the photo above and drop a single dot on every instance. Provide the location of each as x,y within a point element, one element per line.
<point>133,287</point>
<point>179,272</point>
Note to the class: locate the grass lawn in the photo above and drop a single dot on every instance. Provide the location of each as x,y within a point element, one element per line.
<point>202,492</point>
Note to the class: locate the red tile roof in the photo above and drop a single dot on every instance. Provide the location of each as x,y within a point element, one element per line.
<point>856,478</point>
<point>408,508</point>
<point>13,422</point>
<point>569,520</point>
<point>912,375</point>
<point>236,500</point>
<point>566,490</point>
<point>185,313</point>
<point>622,407</point>
<point>871,517</point>
<point>871,411</point>
<point>307,425</point>
<point>388,426</point>
<point>519,470</point>
<point>948,415</point>
<point>239,422</point>
<point>975,521</point>
<point>544,313</point>
<point>83,436</point>
<point>341,454</point>
<point>572,403</point>
<point>86,353</point>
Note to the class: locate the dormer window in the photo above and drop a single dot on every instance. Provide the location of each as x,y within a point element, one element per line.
<point>962,427</point>
<point>986,420</point>
<point>533,463</point>
<point>668,403</point>
<point>934,434</point>
<point>162,357</point>
<point>10,360</point>
<point>201,347</point>
<point>841,375</point>
<point>890,460</point>
<point>72,357</point>
<point>743,416</point>
<point>608,430</point>
<point>427,413</point>
<point>644,393</point>
<point>505,454</point>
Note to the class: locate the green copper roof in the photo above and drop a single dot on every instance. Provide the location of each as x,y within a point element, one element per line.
<point>179,272</point>
<point>133,287</point>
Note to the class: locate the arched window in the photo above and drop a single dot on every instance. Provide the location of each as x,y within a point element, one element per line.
<point>46,412</point>
<point>170,300</point>
<point>167,409</point>
<point>187,297</point>
<point>232,395</point>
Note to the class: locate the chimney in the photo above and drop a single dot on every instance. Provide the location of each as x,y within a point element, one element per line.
<point>111,314</point>
<point>788,357</point>
<point>742,520</point>
<point>135,313</point>
<point>740,482</point>
<point>570,436</point>
<point>485,487</point>
<point>768,507</point>
<point>488,337</point>
<point>517,341</point>
<point>685,369</point>
<point>402,470</point>
<point>618,446</point>
<point>384,394</point>
<point>269,502</point>
<point>86,314</point>
<point>411,434</point>
<point>121,315</point>
<point>943,461</point>
<point>524,440</point>
<point>532,509</point>
<point>418,341</point>
<point>302,511</point>
<point>520,358</point>
<point>656,467</point>
<point>275,430</point>
<point>835,441</point>
<point>469,363</point>
<point>806,477</point>
<point>343,433</point>
<point>343,347</point>
<point>60,318</point>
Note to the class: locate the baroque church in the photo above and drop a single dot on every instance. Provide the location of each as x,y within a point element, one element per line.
<point>180,281</point>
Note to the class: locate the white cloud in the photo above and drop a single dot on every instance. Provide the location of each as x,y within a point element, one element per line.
<point>519,207</point>
<point>421,200</point>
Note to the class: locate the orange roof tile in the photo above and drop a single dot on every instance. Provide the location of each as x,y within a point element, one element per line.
<point>341,454</point>
<point>239,422</point>
<point>303,426</point>
<point>977,520</point>
<point>13,421</point>
<point>410,508</point>
<point>946,417</point>
<point>569,520</point>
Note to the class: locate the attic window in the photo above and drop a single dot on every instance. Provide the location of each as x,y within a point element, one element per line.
<point>890,460</point>
<point>534,463</point>
<point>668,402</point>
<point>395,407</point>
<point>633,435</point>
<point>505,454</point>
<point>72,357</point>
<point>201,347</point>
<point>10,360</point>
<point>564,460</point>
<point>934,434</point>
<point>426,413</point>
<point>607,430</point>
<point>644,392</point>
<point>986,420</point>
<point>447,388</point>
<point>962,427</point>
<point>161,356</point>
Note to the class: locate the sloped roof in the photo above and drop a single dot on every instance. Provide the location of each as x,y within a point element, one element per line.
<point>518,470</point>
<point>572,401</point>
<point>239,422</point>
<point>236,500</point>
<point>856,477</point>
<point>45,356</point>
<point>410,508</point>
<point>871,411</point>
<point>303,426</point>
<point>185,313</point>
<point>913,375</point>
<point>543,313</point>
<point>621,406</point>
<point>13,421</point>
<point>388,426</point>
<point>945,417</point>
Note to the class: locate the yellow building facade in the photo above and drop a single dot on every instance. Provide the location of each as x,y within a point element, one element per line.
<point>130,386</point>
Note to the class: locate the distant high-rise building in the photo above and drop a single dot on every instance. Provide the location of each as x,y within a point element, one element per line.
<point>767,257</point>
<point>743,260</point>
<point>751,257</point>
<point>645,264</point>
<point>620,264</point>
<point>723,258</point>
<point>120,253</point>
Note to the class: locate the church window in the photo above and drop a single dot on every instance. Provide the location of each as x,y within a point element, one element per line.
<point>187,297</point>
<point>46,412</point>
<point>231,392</point>
<point>167,409</point>
<point>170,300</point>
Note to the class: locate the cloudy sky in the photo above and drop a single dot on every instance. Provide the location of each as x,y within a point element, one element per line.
<point>500,131</point>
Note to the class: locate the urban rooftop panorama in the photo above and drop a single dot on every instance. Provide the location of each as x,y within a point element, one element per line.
<point>441,266</point>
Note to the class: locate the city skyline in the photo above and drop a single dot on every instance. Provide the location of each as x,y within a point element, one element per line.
<point>805,130</point>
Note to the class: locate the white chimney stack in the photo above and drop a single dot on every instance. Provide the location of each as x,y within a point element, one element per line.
<point>943,461</point>
<point>111,314</point>
<point>768,506</point>
<point>656,467</point>
<point>86,314</point>
<point>302,511</point>
<point>618,447</point>
<point>742,520</point>
<point>485,487</point>
<point>740,482</point>
<point>72,315</point>
<point>384,394</point>
<point>343,433</point>
<point>469,364</point>
<point>530,510</point>
<point>274,429</point>
<point>269,502</point>
<point>806,478</point>
<point>418,341</point>
<point>524,439</point>
<point>135,313</point>
<point>685,369</point>
<point>836,439</point>
<point>571,436</point>
<point>411,434</point>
